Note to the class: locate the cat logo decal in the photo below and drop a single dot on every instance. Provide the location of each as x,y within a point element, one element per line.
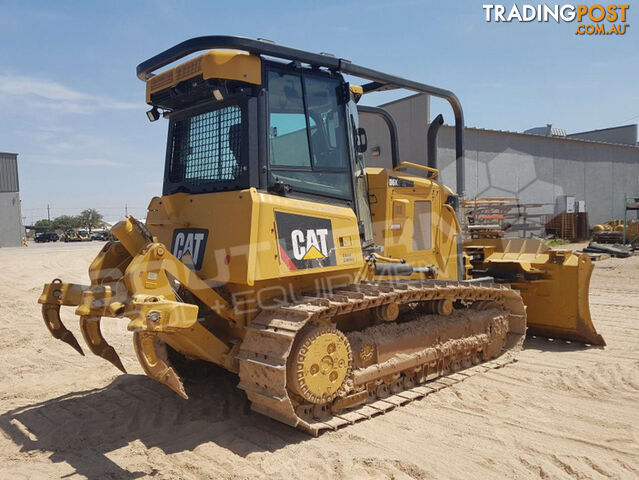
<point>189,245</point>
<point>304,241</point>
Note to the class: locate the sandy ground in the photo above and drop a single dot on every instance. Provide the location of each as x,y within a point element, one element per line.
<point>562,411</point>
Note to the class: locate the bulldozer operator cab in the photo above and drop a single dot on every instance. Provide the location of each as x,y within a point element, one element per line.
<point>297,144</point>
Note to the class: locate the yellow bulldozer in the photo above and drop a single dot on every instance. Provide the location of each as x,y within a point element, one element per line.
<point>75,235</point>
<point>334,291</point>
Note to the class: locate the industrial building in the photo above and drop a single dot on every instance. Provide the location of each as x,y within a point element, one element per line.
<point>541,166</point>
<point>11,231</point>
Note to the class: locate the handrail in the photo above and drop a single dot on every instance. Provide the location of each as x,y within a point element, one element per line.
<point>392,128</point>
<point>434,171</point>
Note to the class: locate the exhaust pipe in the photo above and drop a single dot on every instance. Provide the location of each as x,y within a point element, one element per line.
<point>431,148</point>
<point>431,139</point>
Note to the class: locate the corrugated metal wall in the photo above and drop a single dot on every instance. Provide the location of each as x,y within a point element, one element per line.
<point>9,172</point>
<point>10,217</point>
<point>539,169</point>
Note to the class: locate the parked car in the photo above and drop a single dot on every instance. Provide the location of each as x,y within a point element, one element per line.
<point>46,237</point>
<point>102,236</point>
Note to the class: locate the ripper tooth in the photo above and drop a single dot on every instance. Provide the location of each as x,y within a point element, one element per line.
<point>51,316</point>
<point>90,327</point>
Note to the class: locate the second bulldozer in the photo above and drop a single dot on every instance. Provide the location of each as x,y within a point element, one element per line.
<point>334,291</point>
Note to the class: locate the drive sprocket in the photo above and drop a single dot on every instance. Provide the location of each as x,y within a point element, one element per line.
<point>320,363</point>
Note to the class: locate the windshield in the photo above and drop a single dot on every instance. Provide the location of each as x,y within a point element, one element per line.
<point>308,146</point>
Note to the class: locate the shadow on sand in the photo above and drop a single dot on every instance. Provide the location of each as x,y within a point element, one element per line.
<point>534,342</point>
<point>81,428</point>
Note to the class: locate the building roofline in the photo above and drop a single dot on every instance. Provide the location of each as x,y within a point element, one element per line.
<point>569,139</point>
<point>9,153</point>
<point>604,129</point>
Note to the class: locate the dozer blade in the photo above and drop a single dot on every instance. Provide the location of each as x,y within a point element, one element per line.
<point>51,316</point>
<point>554,284</point>
<point>558,307</point>
<point>152,355</point>
<point>90,327</point>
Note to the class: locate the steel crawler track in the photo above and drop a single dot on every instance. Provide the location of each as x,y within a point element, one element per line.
<point>373,390</point>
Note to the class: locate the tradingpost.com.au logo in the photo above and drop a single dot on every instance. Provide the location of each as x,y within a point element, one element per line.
<point>591,18</point>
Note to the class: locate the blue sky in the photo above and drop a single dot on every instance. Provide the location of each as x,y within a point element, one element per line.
<point>72,107</point>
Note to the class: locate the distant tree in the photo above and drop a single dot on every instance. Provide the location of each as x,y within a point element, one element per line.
<point>44,225</point>
<point>91,219</point>
<point>66,222</point>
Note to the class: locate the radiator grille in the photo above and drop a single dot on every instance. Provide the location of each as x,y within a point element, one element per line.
<point>188,69</point>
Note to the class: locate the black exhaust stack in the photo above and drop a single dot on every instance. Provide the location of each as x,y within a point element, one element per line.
<point>431,139</point>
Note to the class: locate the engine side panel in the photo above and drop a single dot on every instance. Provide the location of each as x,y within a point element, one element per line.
<point>247,237</point>
<point>412,221</point>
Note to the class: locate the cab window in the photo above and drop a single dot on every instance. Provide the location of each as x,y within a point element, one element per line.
<point>288,137</point>
<point>308,144</point>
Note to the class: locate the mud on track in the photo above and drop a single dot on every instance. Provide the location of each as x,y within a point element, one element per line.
<point>562,411</point>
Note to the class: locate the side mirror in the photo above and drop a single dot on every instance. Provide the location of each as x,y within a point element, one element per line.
<point>362,141</point>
